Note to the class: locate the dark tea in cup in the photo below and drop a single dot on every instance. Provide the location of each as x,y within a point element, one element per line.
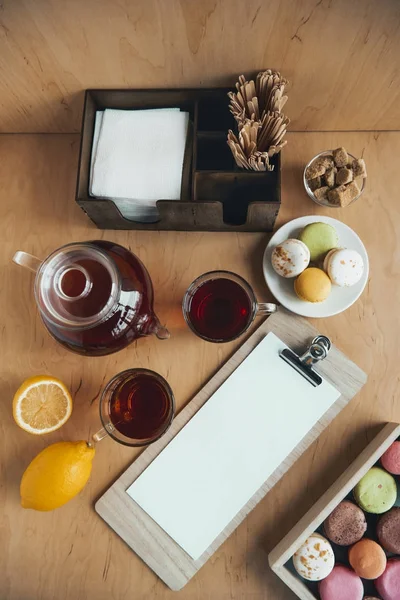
<point>221,309</point>
<point>136,407</point>
<point>219,306</point>
<point>139,407</point>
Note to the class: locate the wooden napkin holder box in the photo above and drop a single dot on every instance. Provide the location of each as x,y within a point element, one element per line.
<point>216,195</point>
<point>280,559</point>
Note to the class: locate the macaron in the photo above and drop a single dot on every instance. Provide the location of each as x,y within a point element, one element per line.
<point>388,584</point>
<point>341,584</point>
<point>314,560</point>
<point>313,285</point>
<point>319,238</point>
<point>290,258</point>
<point>388,530</point>
<point>344,267</point>
<point>391,459</point>
<point>368,559</point>
<point>346,525</point>
<point>376,492</point>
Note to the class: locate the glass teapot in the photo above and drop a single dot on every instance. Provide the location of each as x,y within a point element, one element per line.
<point>94,297</point>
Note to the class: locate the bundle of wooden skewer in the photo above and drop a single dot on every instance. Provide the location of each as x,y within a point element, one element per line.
<point>257,108</point>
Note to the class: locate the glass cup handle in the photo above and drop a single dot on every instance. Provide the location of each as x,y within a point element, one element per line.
<point>99,435</point>
<point>266,308</point>
<point>27,260</point>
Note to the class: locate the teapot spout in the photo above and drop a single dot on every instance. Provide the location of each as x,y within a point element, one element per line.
<point>161,332</point>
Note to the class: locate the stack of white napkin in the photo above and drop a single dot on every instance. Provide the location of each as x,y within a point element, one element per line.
<point>137,159</point>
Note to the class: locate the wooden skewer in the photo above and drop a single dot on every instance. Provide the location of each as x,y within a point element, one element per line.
<point>256,107</point>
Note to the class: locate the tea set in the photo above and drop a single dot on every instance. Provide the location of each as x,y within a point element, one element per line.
<point>96,298</point>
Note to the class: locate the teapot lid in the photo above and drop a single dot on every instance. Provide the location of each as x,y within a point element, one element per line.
<point>77,285</point>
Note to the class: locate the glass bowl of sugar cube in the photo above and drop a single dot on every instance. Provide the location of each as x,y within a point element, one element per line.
<point>335,178</point>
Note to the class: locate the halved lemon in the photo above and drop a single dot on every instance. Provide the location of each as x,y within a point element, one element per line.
<point>42,404</point>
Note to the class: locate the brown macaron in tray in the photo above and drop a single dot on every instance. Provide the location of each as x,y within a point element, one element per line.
<point>347,547</point>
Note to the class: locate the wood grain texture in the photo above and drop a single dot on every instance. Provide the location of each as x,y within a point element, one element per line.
<point>142,533</point>
<point>342,58</point>
<point>325,505</point>
<point>72,553</point>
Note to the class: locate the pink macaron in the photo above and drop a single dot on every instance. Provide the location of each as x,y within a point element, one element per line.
<point>342,583</point>
<point>391,459</point>
<point>388,584</point>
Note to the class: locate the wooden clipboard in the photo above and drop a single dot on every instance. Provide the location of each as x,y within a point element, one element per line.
<point>158,550</point>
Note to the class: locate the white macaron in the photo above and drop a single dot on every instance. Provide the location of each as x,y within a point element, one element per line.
<point>290,258</point>
<point>344,267</point>
<point>315,559</point>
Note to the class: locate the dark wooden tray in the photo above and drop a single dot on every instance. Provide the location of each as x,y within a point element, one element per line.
<point>216,195</point>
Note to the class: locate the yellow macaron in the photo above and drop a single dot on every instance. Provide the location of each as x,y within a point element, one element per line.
<point>313,285</point>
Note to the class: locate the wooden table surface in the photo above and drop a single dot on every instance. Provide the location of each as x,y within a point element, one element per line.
<point>341,57</point>
<point>71,553</point>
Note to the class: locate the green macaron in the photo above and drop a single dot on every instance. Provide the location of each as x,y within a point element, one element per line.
<point>319,239</point>
<point>376,492</point>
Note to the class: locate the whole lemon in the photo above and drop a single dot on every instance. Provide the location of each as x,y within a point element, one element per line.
<point>56,475</point>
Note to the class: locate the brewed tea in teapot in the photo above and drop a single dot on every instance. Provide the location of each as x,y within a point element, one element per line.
<point>94,297</point>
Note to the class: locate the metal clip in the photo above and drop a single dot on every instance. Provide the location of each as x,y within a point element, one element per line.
<point>304,364</point>
<point>318,350</point>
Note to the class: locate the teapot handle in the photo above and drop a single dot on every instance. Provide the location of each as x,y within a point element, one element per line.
<point>27,260</point>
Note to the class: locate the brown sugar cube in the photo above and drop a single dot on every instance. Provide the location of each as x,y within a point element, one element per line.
<point>311,172</point>
<point>316,169</point>
<point>340,157</point>
<point>359,167</point>
<point>335,195</point>
<point>321,193</point>
<point>327,161</point>
<point>344,176</point>
<point>351,192</point>
<point>330,177</point>
<point>315,183</point>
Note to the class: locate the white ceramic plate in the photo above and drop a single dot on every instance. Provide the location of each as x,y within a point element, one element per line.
<point>341,297</point>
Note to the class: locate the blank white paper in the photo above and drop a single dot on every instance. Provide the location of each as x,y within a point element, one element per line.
<point>219,460</point>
